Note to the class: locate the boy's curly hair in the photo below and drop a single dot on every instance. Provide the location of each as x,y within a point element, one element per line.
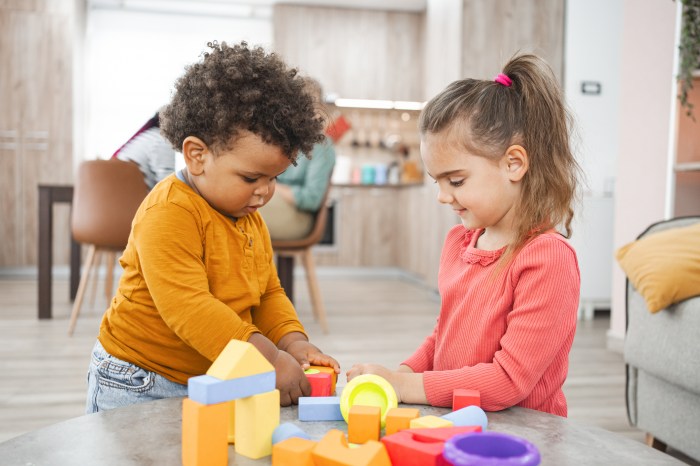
<point>241,88</point>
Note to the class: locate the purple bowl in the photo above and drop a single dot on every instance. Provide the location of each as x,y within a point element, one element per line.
<point>490,449</point>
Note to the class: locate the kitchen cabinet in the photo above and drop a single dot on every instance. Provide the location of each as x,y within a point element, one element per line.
<point>36,40</point>
<point>354,53</point>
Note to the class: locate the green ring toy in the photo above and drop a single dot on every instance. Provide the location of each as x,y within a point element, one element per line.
<point>368,390</point>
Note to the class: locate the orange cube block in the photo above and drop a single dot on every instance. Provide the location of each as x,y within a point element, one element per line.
<point>399,419</point>
<point>204,433</point>
<point>294,451</point>
<point>364,423</point>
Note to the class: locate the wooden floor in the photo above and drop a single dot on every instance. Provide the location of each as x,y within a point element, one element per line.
<point>378,316</point>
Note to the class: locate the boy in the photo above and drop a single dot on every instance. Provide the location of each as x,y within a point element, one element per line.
<point>198,267</point>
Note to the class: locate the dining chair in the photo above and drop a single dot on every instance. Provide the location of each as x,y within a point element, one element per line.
<point>106,196</point>
<point>302,248</point>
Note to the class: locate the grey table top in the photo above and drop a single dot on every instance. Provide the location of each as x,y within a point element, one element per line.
<point>149,434</point>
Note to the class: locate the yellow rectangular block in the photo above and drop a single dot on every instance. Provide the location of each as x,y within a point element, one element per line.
<point>256,419</point>
<point>294,451</point>
<point>204,434</point>
<point>427,422</point>
<point>364,423</point>
<point>239,359</point>
<point>399,419</point>
<point>232,422</point>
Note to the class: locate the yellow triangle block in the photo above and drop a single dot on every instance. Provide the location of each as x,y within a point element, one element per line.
<point>239,359</point>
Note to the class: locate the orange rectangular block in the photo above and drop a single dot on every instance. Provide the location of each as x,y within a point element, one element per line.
<point>364,423</point>
<point>399,419</point>
<point>294,451</point>
<point>204,434</point>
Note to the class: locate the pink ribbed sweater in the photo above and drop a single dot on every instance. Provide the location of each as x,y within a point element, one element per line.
<point>507,336</point>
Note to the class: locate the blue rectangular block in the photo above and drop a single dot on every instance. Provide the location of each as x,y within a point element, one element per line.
<point>209,390</point>
<point>320,408</point>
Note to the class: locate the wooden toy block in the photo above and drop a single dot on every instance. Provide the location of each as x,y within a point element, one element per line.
<point>333,450</point>
<point>469,416</point>
<point>239,359</point>
<point>320,383</point>
<point>294,451</point>
<point>210,390</point>
<point>399,419</point>
<point>204,434</point>
<point>364,423</point>
<point>461,398</point>
<point>320,408</point>
<point>429,422</point>
<point>288,430</point>
<point>256,419</point>
<point>327,370</point>
<point>232,422</point>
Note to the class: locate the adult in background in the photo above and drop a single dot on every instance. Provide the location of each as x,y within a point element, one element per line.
<point>290,213</point>
<point>148,149</point>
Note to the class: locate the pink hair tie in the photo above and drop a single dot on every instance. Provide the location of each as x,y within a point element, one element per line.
<point>503,79</point>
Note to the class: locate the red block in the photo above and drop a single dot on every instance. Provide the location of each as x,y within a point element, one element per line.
<point>461,398</point>
<point>320,384</point>
<point>421,447</point>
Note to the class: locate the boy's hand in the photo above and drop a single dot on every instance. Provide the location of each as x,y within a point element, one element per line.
<point>307,355</point>
<point>291,381</point>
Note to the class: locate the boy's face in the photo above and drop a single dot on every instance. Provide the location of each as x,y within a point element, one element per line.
<point>239,180</point>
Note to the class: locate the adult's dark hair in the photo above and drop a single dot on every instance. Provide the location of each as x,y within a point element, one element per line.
<point>241,88</point>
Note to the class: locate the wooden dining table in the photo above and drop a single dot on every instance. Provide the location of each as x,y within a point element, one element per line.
<point>150,434</point>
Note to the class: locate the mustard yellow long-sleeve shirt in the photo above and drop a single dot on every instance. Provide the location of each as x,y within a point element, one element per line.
<point>193,280</point>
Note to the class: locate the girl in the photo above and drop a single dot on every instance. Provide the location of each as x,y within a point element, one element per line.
<point>509,282</point>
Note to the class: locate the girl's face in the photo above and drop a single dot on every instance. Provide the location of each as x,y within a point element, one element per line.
<point>482,192</point>
<point>236,181</point>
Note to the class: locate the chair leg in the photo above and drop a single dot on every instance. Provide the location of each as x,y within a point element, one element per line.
<point>654,443</point>
<point>94,274</point>
<point>314,290</point>
<point>109,275</point>
<point>81,289</point>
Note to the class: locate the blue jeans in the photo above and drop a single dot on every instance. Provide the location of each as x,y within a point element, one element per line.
<point>113,383</point>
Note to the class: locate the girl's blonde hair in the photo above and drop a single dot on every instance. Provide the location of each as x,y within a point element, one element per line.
<point>531,112</point>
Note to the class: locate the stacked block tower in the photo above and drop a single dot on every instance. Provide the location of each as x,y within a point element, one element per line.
<point>235,402</point>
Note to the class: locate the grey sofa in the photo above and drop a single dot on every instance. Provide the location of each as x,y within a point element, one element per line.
<point>662,353</point>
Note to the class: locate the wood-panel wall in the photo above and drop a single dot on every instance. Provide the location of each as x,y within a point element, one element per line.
<point>493,31</point>
<point>36,40</point>
<point>366,54</point>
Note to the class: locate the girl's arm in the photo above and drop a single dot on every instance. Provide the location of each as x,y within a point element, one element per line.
<point>538,336</point>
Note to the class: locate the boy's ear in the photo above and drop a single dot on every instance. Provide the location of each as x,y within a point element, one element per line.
<point>193,150</point>
<point>517,162</point>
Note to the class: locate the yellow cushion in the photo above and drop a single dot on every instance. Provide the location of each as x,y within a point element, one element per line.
<point>664,267</point>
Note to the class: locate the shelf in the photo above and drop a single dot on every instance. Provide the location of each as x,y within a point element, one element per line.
<point>687,167</point>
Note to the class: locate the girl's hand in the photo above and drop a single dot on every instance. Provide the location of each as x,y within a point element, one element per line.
<point>307,355</point>
<point>291,381</point>
<point>407,384</point>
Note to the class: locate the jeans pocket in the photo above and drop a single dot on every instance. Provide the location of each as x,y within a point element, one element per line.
<point>118,374</point>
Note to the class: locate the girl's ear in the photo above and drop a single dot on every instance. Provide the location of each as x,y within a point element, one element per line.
<point>516,162</point>
<point>193,150</point>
